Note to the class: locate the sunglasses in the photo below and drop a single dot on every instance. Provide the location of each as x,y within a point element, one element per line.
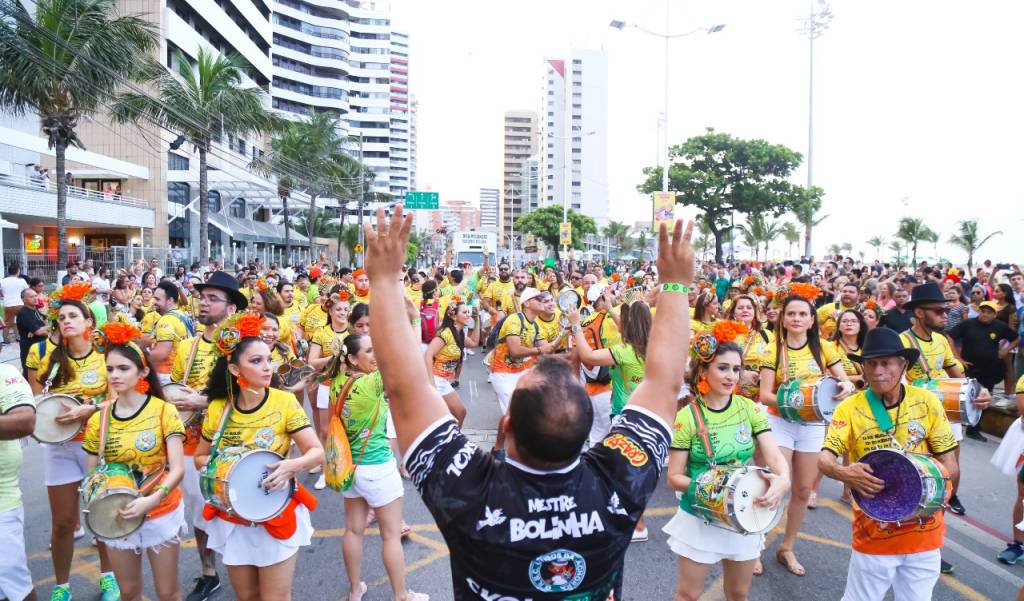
<point>939,310</point>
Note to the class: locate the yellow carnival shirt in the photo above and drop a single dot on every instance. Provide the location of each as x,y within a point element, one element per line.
<point>446,361</point>
<point>268,426</point>
<point>313,318</point>
<point>498,290</point>
<point>169,328</point>
<point>828,316</point>
<point>800,364</point>
<point>515,324</point>
<point>935,353</point>
<point>203,356</point>
<point>33,358</point>
<point>138,441</point>
<point>328,340</point>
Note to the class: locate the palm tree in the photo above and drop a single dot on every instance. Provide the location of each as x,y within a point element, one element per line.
<point>619,232</point>
<point>933,237</point>
<point>315,222</point>
<point>807,215</point>
<point>833,250</point>
<point>876,242</point>
<point>62,64</point>
<point>759,230</point>
<point>912,230</point>
<point>897,248</point>
<point>970,240</point>
<point>791,234</point>
<point>203,102</point>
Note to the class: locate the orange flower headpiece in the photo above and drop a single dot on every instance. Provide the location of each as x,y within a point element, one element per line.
<point>616,277</point>
<point>262,285</point>
<point>117,334</point>
<point>705,346</point>
<point>631,282</point>
<point>341,295</point>
<point>805,291</point>
<point>238,326</point>
<point>75,292</point>
<point>357,273</point>
<point>456,299</point>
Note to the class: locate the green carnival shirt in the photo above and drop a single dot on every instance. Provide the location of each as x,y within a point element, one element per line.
<point>731,430</point>
<point>14,392</point>
<point>627,373</point>
<point>365,414</point>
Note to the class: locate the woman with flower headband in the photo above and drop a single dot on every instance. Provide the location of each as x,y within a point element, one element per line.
<point>72,367</point>
<point>736,429</point>
<point>705,313</point>
<point>280,353</point>
<point>143,432</point>
<point>799,353</point>
<point>326,344</point>
<point>267,300</point>
<point>445,352</point>
<point>753,344</point>
<point>260,558</point>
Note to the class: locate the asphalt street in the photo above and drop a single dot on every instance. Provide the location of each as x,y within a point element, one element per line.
<point>971,544</point>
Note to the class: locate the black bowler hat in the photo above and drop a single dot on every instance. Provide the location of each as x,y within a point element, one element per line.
<point>883,342</point>
<point>228,284</point>
<point>924,294</point>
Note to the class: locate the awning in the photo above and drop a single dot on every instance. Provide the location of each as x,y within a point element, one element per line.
<point>245,230</point>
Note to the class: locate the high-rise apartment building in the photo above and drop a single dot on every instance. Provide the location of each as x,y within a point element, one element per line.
<point>574,136</point>
<point>454,215</point>
<point>489,202</point>
<point>521,140</point>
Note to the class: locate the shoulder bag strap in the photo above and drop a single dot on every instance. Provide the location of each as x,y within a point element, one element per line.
<point>343,394</point>
<point>191,359</point>
<point>107,409</point>
<point>702,431</point>
<point>920,354</point>
<point>149,481</point>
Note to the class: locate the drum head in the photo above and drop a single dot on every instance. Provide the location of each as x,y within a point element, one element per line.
<point>826,388</point>
<point>902,493</point>
<point>248,498</point>
<point>47,409</point>
<point>174,392</point>
<point>753,518</point>
<point>568,300</point>
<point>103,519</point>
<point>971,391</point>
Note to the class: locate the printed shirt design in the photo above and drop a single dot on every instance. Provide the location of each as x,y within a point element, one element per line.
<point>268,427</point>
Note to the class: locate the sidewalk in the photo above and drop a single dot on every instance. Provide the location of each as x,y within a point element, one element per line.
<point>10,354</point>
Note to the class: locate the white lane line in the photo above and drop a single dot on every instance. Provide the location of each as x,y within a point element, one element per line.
<point>985,564</point>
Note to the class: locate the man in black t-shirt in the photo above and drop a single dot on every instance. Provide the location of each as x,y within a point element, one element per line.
<point>985,341</point>
<point>31,326</point>
<point>549,522</point>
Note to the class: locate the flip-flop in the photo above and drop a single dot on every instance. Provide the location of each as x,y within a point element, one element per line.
<point>405,530</point>
<point>359,597</point>
<point>791,566</point>
<point>371,517</point>
<point>812,501</point>
<point>414,596</point>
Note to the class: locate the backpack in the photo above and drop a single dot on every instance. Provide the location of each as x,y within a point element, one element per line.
<point>428,321</point>
<point>186,320</point>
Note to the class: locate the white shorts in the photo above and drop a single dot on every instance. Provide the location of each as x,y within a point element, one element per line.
<point>1010,449</point>
<point>602,404</point>
<point>443,385</point>
<point>911,577</point>
<point>323,396</point>
<point>155,533</point>
<point>192,496</point>
<point>958,430</point>
<point>64,463</point>
<point>801,438</point>
<point>15,578</point>
<point>378,484</point>
<point>240,545</point>
<point>504,385</point>
<point>691,538</point>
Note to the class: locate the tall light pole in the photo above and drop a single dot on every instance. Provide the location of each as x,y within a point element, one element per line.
<point>567,160</point>
<point>620,25</point>
<point>817,21</point>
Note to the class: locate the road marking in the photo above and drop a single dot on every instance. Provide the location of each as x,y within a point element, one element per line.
<point>987,565</point>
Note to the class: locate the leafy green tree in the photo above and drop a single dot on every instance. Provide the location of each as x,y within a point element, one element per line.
<point>544,224</point>
<point>790,232</point>
<point>897,249</point>
<point>760,230</point>
<point>315,223</point>
<point>203,102</point>
<point>722,175</point>
<point>62,63</point>
<point>970,240</point>
<point>806,212</point>
<point>912,231</point>
<point>876,242</point>
<point>411,252</point>
<point>618,232</point>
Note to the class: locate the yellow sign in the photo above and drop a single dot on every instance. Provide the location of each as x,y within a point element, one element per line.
<point>565,234</point>
<point>358,248</point>
<point>664,209</point>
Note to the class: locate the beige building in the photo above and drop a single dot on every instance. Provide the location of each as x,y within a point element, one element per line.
<point>518,187</point>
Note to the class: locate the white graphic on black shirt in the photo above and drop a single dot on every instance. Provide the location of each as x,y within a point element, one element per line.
<point>491,518</point>
<point>615,506</point>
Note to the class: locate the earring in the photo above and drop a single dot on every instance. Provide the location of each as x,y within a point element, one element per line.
<point>703,387</point>
<point>142,386</point>
<point>242,383</point>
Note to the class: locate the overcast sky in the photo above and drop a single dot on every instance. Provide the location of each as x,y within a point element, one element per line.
<point>917,104</point>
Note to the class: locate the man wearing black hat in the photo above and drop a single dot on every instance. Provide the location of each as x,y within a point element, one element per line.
<point>219,298</point>
<point>904,557</point>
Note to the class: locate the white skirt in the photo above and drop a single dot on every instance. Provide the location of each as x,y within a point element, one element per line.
<point>240,545</point>
<point>1007,457</point>
<point>691,538</point>
<point>155,533</point>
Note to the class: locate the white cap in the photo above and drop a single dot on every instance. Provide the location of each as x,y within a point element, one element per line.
<point>595,292</point>
<point>528,294</point>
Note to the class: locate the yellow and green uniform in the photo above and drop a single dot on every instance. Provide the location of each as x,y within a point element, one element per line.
<point>33,359</point>
<point>198,376</point>
<point>515,324</point>
<point>936,353</point>
<point>148,323</point>
<point>447,359</point>
<point>312,294</point>
<point>828,316</point>
<point>626,373</point>
<point>329,340</point>
<point>698,327</point>
<point>313,318</point>
<point>269,426</point>
<point>498,290</point>
<point>414,295</point>
<point>364,414</point>
<point>293,313</point>
<point>139,442</point>
<point>361,298</point>
<point>849,367</point>
<point>920,417</point>
<point>171,328</point>
<point>800,365</point>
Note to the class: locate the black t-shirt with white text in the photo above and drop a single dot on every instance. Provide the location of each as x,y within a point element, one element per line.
<point>980,341</point>
<point>519,534</point>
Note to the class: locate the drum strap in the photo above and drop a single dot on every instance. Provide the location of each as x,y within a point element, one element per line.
<point>149,481</point>
<point>920,354</point>
<point>191,359</point>
<point>224,417</point>
<point>856,366</point>
<point>880,412</point>
<point>702,431</point>
<point>107,409</point>
<point>49,378</point>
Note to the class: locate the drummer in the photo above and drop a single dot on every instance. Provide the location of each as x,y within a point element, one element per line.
<point>261,557</point>
<point>219,298</point>
<point>735,428</point>
<point>446,351</point>
<point>904,558</point>
<point>72,368</point>
<point>143,433</point>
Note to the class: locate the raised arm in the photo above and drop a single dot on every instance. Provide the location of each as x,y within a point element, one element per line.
<point>415,403</point>
<point>664,369</point>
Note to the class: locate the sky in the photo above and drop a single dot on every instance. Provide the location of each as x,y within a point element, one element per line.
<point>917,105</point>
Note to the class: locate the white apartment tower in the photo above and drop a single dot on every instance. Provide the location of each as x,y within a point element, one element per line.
<point>400,109</point>
<point>489,208</point>
<point>522,131</point>
<point>575,133</point>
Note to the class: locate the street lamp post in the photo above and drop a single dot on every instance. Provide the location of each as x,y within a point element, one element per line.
<point>817,22</point>
<point>620,25</point>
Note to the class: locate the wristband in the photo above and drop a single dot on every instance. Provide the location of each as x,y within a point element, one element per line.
<point>164,489</point>
<point>415,322</point>
<point>675,287</point>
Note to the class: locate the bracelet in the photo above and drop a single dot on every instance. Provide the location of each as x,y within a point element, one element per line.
<point>164,489</point>
<point>675,287</point>
<point>415,322</point>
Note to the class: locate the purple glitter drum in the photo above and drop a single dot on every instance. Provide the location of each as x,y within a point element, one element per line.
<point>916,486</point>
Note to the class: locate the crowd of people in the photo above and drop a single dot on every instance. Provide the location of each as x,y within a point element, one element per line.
<point>605,375</point>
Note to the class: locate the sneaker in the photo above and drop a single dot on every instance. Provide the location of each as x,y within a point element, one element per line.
<point>455,384</point>
<point>321,482</point>
<point>109,590</point>
<point>956,506</point>
<point>80,532</point>
<point>639,536</point>
<point>974,433</point>
<point>205,586</point>
<point>61,592</point>
<point>1011,554</point>
<point>946,567</point>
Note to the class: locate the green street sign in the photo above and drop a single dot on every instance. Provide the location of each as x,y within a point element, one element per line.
<point>421,200</point>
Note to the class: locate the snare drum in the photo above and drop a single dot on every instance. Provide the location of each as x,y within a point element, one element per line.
<point>105,491</point>
<point>916,486</point>
<point>957,396</point>
<point>47,429</point>
<point>724,497</point>
<point>174,392</point>
<point>233,483</point>
<point>809,401</point>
